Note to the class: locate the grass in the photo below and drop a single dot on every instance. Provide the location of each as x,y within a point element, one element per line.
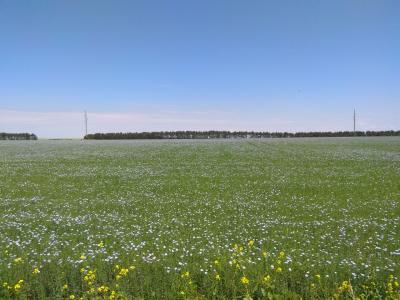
<point>271,219</point>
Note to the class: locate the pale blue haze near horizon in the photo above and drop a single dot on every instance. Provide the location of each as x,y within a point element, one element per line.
<point>198,65</point>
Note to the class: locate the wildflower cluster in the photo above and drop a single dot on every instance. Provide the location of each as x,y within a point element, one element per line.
<point>121,272</point>
<point>393,287</point>
<point>344,289</point>
<point>187,287</point>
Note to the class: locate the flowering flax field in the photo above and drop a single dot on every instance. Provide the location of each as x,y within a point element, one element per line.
<point>219,219</point>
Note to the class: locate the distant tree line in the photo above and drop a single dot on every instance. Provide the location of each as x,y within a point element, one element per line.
<point>17,136</point>
<point>231,135</point>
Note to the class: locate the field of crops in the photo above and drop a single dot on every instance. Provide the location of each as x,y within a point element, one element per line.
<point>213,219</point>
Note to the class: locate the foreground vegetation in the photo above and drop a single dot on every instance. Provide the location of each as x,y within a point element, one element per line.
<point>261,219</point>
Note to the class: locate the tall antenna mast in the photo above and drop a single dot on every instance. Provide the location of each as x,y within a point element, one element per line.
<point>86,120</point>
<point>354,121</point>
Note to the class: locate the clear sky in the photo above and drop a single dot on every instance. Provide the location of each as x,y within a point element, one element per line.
<point>198,65</point>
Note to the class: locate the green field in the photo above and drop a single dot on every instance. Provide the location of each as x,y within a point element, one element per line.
<point>213,219</point>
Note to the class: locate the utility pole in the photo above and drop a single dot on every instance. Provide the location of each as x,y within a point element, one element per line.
<point>86,120</point>
<point>354,121</point>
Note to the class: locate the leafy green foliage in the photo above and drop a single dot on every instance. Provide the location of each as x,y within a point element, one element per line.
<point>261,219</point>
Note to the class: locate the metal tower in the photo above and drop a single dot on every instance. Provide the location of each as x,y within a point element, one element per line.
<point>86,121</point>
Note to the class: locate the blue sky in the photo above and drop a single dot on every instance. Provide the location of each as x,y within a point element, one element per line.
<point>172,65</point>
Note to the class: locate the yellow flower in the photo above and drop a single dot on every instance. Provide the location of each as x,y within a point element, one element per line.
<point>123,272</point>
<point>118,277</point>
<point>278,269</point>
<point>345,286</point>
<point>281,254</point>
<point>216,262</point>
<point>35,271</point>
<point>318,276</point>
<point>186,274</point>
<point>217,277</point>
<point>103,289</point>
<point>312,285</point>
<point>72,297</point>
<point>250,243</point>
<point>265,254</point>
<point>82,257</point>
<point>18,285</point>
<point>238,248</point>
<point>267,278</point>
<point>90,277</point>
<point>18,260</point>
<point>244,280</point>
<point>65,286</point>
<point>101,244</point>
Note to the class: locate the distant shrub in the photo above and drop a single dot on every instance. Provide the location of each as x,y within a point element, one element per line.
<point>231,134</point>
<point>17,136</point>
